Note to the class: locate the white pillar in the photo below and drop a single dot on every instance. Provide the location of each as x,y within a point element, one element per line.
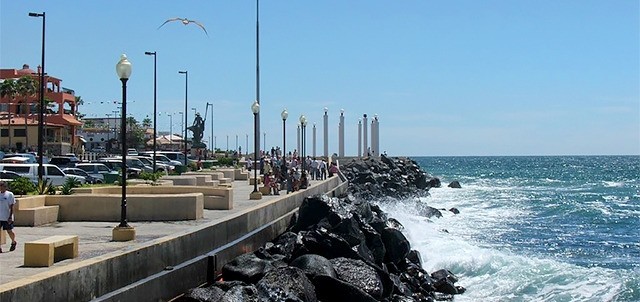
<point>326,133</point>
<point>314,139</point>
<point>373,137</point>
<point>341,134</point>
<point>377,136</point>
<point>365,145</point>
<point>359,137</point>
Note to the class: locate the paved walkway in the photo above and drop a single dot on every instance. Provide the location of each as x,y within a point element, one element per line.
<point>95,237</point>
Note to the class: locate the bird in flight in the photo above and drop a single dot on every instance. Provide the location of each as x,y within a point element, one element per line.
<point>185,21</point>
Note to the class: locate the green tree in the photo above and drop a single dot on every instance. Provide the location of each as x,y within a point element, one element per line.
<point>26,87</point>
<point>9,89</point>
<point>146,122</point>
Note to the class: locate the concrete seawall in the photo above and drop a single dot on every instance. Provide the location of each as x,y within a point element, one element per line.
<point>165,267</point>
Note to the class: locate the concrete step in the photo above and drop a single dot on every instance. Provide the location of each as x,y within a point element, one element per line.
<point>36,216</point>
<point>29,202</point>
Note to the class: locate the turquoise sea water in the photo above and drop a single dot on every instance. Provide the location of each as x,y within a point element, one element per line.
<point>561,228</point>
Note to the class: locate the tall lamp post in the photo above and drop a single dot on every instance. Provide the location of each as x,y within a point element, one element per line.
<point>155,90</point>
<point>186,85</point>
<point>182,130</point>
<point>123,232</point>
<point>284,116</point>
<point>303,124</point>
<point>255,108</point>
<point>41,111</point>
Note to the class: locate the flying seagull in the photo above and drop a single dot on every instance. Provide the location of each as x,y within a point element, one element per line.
<point>185,21</point>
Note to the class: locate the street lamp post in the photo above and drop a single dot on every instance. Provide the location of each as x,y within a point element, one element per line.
<point>170,130</point>
<point>123,232</point>
<point>41,112</point>
<point>186,85</point>
<point>303,124</point>
<point>255,108</point>
<point>182,130</point>
<point>155,90</point>
<point>284,116</point>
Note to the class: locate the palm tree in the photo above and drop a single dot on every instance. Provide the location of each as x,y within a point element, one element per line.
<point>26,88</point>
<point>9,89</point>
<point>146,122</point>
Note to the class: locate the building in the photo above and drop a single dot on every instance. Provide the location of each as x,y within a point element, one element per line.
<point>100,134</point>
<point>19,116</point>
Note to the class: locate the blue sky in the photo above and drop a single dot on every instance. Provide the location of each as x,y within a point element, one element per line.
<point>445,77</point>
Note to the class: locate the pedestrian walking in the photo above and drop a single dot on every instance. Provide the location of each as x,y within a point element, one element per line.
<point>7,200</point>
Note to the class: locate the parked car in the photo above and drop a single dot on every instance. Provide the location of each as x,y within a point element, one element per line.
<point>31,159</point>
<point>173,155</point>
<point>79,172</point>
<point>51,173</point>
<point>8,175</point>
<point>96,170</point>
<point>160,167</point>
<point>64,161</point>
<point>116,164</point>
<point>162,158</point>
<point>134,162</point>
<point>132,151</point>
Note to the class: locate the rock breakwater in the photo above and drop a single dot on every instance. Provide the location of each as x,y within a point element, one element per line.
<point>340,249</point>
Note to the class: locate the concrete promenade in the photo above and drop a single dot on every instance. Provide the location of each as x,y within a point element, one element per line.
<point>95,237</point>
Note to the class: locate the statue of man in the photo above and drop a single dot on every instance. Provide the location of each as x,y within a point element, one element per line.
<point>197,128</point>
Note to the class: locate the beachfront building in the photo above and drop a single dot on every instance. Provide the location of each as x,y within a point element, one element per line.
<point>19,115</point>
<point>100,134</point>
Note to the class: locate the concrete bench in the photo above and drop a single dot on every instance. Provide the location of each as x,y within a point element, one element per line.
<point>264,190</point>
<point>44,252</point>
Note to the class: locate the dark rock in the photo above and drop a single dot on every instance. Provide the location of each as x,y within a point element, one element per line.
<point>207,294</point>
<point>398,298</point>
<point>286,284</point>
<point>424,210</point>
<point>455,184</point>
<point>335,290</point>
<point>435,182</point>
<point>247,268</point>
<point>313,264</point>
<point>396,244</point>
<point>327,244</point>
<point>414,257</point>
<point>349,230</point>
<point>399,287</point>
<point>227,285</point>
<point>289,245</point>
<point>454,211</point>
<point>241,294</point>
<point>444,281</point>
<point>444,274</point>
<point>360,274</point>
<point>311,211</point>
<point>374,243</point>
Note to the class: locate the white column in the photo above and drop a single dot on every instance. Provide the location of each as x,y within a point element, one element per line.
<point>377,137</point>
<point>365,145</point>
<point>326,133</point>
<point>314,139</point>
<point>359,137</point>
<point>341,134</point>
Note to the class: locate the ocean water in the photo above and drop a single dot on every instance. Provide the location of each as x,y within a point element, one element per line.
<point>556,228</point>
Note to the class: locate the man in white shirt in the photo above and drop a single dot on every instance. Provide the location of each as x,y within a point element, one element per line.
<point>6,214</point>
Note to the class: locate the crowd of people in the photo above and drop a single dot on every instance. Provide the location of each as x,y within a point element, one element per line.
<point>290,172</point>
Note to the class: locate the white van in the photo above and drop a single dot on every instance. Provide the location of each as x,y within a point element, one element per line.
<point>51,173</point>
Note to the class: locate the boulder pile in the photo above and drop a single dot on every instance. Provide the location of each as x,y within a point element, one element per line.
<point>340,249</point>
<point>398,177</point>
